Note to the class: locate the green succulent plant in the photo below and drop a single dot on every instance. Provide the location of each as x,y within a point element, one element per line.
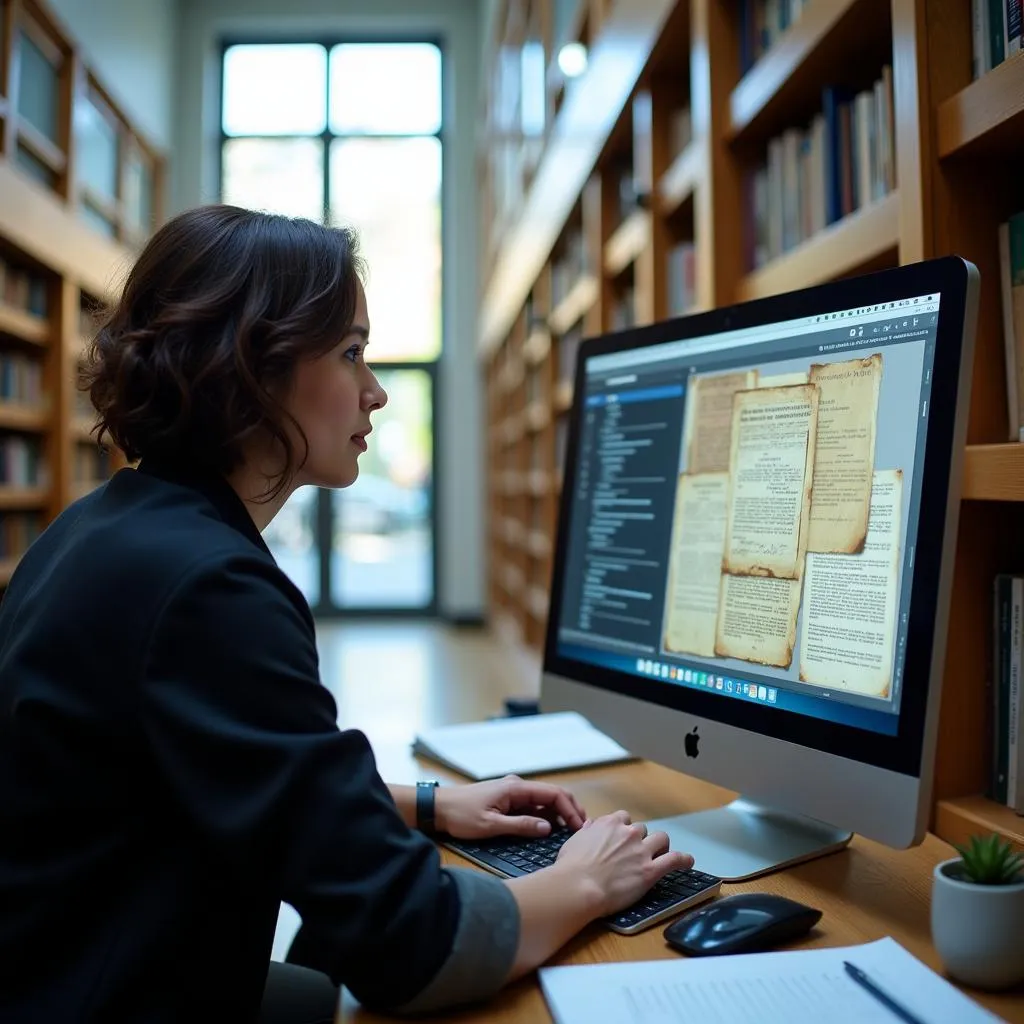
<point>990,860</point>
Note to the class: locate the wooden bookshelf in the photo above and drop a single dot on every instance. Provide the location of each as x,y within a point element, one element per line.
<point>986,116</point>
<point>864,240</point>
<point>994,472</point>
<point>828,35</point>
<point>678,183</point>
<point>14,416</point>
<point>22,499</point>
<point>27,327</point>
<point>53,257</point>
<point>959,146</point>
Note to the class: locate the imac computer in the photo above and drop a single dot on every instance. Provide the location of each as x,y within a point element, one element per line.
<point>754,556</point>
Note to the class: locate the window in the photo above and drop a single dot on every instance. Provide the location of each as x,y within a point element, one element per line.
<point>350,134</point>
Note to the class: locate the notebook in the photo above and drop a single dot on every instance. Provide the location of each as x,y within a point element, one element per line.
<point>798,987</point>
<point>526,745</point>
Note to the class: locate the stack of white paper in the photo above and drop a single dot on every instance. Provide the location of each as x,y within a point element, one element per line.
<point>527,745</point>
<point>800,987</point>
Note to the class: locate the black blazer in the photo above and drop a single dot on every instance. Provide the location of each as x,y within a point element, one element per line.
<point>171,769</point>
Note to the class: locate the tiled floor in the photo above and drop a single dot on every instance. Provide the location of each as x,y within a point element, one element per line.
<point>391,679</point>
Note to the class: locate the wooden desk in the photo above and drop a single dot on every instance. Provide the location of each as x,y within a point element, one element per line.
<point>866,892</point>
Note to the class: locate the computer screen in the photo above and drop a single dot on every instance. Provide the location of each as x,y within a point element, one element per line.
<point>745,510</point>
<point>755,554</point>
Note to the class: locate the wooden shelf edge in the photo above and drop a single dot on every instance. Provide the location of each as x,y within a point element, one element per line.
<point>24,325</point>
<point>14,416</point>
<point>993,472</point>
<point>956,820</point>
<point>761,84</point>
<point>581,296</point>
<point>563,396</point>
<point>22,498</point>
<point>855,240</point>
<point>680,181</point>
<point>993,103</point>
<point>628,240</point>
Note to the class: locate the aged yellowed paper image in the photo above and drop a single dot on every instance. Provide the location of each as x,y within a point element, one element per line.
<point>848,628</point>
<point>770,468</point>
<point>757,619</point>
<point>695,568</point>
<point>782,380</point>
<point>844,453</point>
<point>709,420</point>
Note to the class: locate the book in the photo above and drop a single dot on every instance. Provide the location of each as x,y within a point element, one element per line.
<point>526,745</point>
<point>796,986</point>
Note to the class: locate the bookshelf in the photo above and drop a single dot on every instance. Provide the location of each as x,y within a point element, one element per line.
<point>573,257</point>
<point>80,190</point>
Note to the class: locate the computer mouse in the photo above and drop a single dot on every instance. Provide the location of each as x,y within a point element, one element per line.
<point>744,923</point>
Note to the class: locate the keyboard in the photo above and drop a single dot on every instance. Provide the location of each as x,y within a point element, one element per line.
<point>512,856</point>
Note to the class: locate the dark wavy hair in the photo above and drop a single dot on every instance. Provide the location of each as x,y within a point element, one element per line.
<point>219,308</point>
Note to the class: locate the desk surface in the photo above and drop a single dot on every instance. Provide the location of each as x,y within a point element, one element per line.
<point>866,892</point>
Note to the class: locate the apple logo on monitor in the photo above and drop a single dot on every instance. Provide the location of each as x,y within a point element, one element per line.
<point>691,743</point>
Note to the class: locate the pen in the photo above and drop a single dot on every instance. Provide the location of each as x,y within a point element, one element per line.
<point>886,1000</point>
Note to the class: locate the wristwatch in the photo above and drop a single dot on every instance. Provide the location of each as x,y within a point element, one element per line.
<point>425,806</point>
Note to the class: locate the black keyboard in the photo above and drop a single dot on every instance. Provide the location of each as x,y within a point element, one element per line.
<point>511,857</point>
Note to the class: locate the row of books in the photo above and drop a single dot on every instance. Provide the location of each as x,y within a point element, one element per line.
<point>1011,274</point>
<point>17,531</point>
<point>23,289</point>
<point>21,462</point>
<point>998,32</point>
<point>1006,782</point>
<point>814,177</point>
<point>681,265</point>
<point>569,267</point>
<point>21,378</point>
<point>761,23</point>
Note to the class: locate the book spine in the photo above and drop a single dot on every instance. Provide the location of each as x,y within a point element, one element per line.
<point>1002,690</point>
<point>1009,336</point>
<point>1013,793</point>
<point>1015,247</point>
<point>979,27</point>
<point>1013,26</point>
<point>996,31</point>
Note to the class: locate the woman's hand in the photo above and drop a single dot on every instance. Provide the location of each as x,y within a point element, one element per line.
<point>620,860</point>
<point>509,806</point>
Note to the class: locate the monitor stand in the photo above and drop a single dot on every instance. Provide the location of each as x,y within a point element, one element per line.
<point>744,839</point>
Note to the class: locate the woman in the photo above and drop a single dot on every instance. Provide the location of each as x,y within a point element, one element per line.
<point>170,764</point>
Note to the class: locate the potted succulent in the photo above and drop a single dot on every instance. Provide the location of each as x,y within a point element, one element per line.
<point>978,913</point>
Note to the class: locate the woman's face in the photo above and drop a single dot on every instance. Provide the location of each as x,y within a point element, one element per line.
<point>332,398</point>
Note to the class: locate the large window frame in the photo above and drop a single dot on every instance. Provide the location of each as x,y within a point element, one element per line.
<point>325,607</point>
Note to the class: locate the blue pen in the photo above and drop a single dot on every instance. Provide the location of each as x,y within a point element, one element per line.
<point>886,1000</point>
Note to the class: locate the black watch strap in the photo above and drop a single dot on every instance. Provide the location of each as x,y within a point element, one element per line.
<point>425,806</point>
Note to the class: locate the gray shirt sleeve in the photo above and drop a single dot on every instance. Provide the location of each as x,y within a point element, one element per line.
<point>486,941</point>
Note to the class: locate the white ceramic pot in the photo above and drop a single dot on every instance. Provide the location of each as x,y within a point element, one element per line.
<point>978,930</point>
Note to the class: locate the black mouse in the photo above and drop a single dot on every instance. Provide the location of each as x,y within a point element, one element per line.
<point>744,923</point>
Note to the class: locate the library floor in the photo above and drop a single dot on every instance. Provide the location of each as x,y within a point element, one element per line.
<point>392,679</point>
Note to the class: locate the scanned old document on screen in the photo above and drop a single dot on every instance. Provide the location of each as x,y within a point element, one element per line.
<point>849,621</point>
<point>844,454</point>
<point>695,569</point>
<point>782,380</point>
<point>709,419</point>
<point>771,466</point>
<point>757,619</point>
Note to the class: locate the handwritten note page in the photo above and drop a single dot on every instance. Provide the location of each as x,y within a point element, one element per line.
<point>709,419</point>
<point>771,465</point>
<point>798,987</point>
<point>844,454</point>
<point>846,638</point>
<point>695,567</point>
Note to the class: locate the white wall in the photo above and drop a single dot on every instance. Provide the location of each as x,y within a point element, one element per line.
<point>204,23</point>
<point>131,45</point>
